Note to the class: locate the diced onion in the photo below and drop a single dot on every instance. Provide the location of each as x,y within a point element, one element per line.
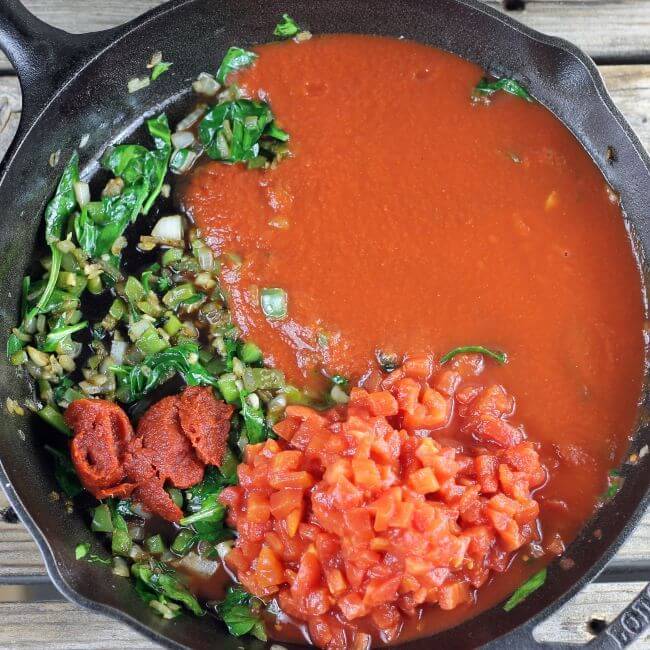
<point>339,395</point>
<point>273,301</point>
<point>118,350</point>
<point>223,548</point>
<point>205,258</point>
<point>136,553</point>
<point>195,564</point>
<point>182,139</point>
<point>120,567</point>
<point>82,193</point>
<point>190,119</point>
<point>206,84</point>
<point>136,84</point>
<point>182,160</point>
<point>169,228</point>
<point>138,328</point>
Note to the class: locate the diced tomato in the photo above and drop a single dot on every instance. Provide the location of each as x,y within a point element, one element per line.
<point>346,495</point>
<point>269,568</point>
<point>285,501</point>
<point>447,382</point>
<point>423,481</point>
<point>257,508</point>
<point>427,451</point>
<point>284,479</point>
<point>453,594</point>
<point>346,516</point>
<point>418,366</point>
<point>351,606</point>
<point>357,521</point>
<point>487,472</point>
<point>308,575</point>
<point>366,474</point>
<point>286,428</point>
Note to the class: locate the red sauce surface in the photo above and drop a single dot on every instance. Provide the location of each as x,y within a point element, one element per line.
<point>403,223</point>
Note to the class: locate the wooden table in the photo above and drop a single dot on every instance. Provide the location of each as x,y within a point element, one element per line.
<point>617,34</point>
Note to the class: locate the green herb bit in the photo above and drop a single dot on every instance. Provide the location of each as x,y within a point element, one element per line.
<point>56,336</point>
<point>340,380</point>
<point>121,542</point>
<point>531,585</point>
<point>274,303</point>
<point>254,421</point>
<point>64,472</point>
<point>501,357</point>
<point>262,379</point>
<point>487,88</point>
<point>81,550</point>
<point>160,68</point>
<point>615,481</point>
<point>228,388</point>
<point>57,212</point>
<point>143,171</point>
<point>183,542</point>
<point>152,581</point>
<point>241,613</point>
<point>102,521</point>
<point>155,544</point>
<point>387,362</point>
<point>136,381</point>
<point>14,344</point>
<point>233,131</point>
<point>54,417</point>
<point>250,353</point>
<point>287,27</point>
<point>236,59</point>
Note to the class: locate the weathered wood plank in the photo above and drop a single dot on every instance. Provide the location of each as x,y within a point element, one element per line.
<point>596,601</point>
<point>607,29</point>
<point>32,625</point>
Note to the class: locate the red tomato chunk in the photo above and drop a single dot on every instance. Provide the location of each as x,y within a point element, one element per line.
<point>360,513</point>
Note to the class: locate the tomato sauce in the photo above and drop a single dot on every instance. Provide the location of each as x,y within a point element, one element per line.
<point>411,219</point>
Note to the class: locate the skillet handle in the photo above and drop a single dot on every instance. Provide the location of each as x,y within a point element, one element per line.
<point>627,626</point>
<point>44,57</point>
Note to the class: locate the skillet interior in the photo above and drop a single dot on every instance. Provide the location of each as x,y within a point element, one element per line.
<point>194,36</point>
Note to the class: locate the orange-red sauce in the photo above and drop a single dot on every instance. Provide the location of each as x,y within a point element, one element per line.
<point>410,219</point>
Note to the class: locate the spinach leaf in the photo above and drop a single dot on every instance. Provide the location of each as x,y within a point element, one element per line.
<point>485,87</point>
<point>236,59</point>
<point>100,223</point>
<point>60,207</point>
<point>287,28</point>
<point>64,472</point>
<point>205,512</point>
<point>165,584</point>
<point>254,421</point>
<point>241,613</point>
<point>14,344</point>
<point>160,68</point>
<point>233,131</point>
<point>55,336</point>
<point>137,381</point>
<point>531,585</point>
<point>81,550</point>
<point>501,357</point>
<point>143,172</point>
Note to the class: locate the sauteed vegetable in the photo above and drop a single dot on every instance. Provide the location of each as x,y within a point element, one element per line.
<point>284,408</point>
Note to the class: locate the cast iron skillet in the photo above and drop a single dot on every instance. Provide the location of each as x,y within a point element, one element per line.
<point>73,85</point>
